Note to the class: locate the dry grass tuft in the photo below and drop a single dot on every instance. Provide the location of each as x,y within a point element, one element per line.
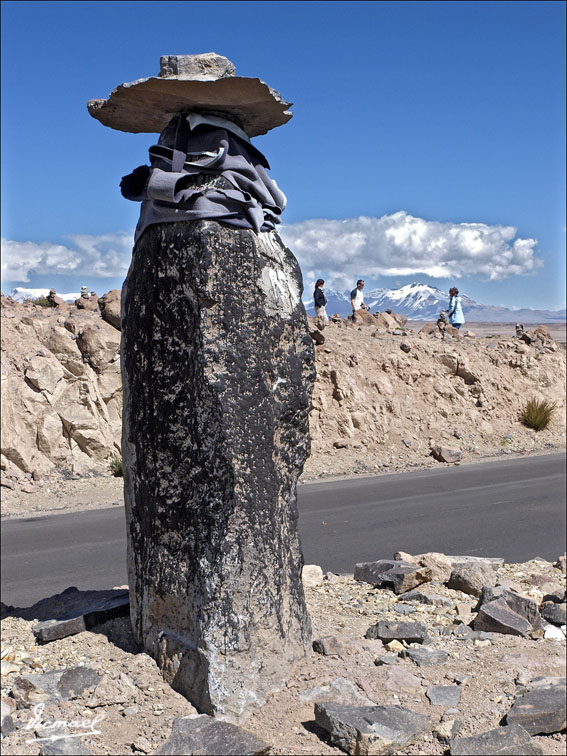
<point>537,413</point>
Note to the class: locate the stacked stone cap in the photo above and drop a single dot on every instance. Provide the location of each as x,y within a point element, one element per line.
<point>192,83</point>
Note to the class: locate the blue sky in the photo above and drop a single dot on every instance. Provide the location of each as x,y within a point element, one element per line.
<point>427,143</point>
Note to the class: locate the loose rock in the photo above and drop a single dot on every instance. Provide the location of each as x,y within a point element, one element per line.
<point>502,741</point>
<point>369,730</point>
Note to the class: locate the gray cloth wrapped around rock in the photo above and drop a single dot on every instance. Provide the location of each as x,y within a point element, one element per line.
<point>205,167</point>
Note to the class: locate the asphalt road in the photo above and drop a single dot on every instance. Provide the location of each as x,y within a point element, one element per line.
<point>513,509</point>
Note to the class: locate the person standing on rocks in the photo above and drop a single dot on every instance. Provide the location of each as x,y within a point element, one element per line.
<point>357,298</point>
<point>455,312</point>
<point>320,301</point>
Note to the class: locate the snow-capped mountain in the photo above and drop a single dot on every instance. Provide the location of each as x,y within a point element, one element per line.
<point>422,302</point>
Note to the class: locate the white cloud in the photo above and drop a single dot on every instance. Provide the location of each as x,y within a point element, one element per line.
<point>340,250</point>
<point>104,256</point>
<point>402,245</point>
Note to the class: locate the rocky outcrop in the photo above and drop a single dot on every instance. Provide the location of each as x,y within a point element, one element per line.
<point>61,390</point>
<point>218,370</point>
<point>375,406</point>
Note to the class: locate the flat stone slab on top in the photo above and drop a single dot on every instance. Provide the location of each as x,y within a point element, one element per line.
<point>184,84</point>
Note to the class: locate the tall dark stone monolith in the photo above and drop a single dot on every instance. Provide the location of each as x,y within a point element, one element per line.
<point>218,370</point>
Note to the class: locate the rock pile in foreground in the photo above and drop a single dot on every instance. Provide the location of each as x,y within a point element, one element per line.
<point>393,672</point>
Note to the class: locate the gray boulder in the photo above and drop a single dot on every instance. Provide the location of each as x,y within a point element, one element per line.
<point>554,613</point>
<point>64,747</point>
<point>411,632</point>
<point>57,685</point>
<point>471,577</point>
<point>522,605</point>
<point>370,572</point>
<point>502,741</point>
<point>502,610</point>
<point>497,617</point>
<point>370,729</point>
<point>459,561</point>
<point>540,711</point>
<point>444,695</point>
<point>210,737</point>
<point>426,657</point>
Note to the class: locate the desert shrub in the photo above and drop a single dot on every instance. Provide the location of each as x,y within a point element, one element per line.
<point>537,413</point>
<point>41,301</point>
<point>115,466</point>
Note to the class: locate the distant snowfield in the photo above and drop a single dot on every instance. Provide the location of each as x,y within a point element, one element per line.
<point>20,294</point>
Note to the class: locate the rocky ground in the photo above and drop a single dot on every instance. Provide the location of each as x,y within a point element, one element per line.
<point>481,675</point>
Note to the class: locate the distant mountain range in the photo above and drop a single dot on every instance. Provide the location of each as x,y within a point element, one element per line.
<point>422,302</point>
<point>415,301</point>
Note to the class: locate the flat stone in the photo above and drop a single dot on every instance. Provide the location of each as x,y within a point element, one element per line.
<point>426,657</point>
<point>198,67</point>
<point>555,613</point>
<point>431,599</point>
<point>540,711</point>
<point>502,741</point>
<point>471,578</point>
<point>207,736</point>
<point>339,690</point>
<point>73,682</point>
<point>465,632</point>
<point>371,729</point>
<point>370,572</point>
<point>64,747</point>
<point>57,685</point>
<point>444,695</point>
<point>328,646</point>
<point>74,611</point>
<point>458,561</point>
<point>497,617</point>
<point>402,578</point>
<point>400,680</point>
<point>412,632</point>
<point>386,659</point>
<point>148,105</point>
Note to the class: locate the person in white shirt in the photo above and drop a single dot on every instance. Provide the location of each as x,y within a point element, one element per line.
<point>357,298</point>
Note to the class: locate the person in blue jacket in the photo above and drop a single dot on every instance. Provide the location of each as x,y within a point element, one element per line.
<point>455,311</point>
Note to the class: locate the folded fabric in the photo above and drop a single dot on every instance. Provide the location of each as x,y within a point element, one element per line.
<point>205,167</point>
